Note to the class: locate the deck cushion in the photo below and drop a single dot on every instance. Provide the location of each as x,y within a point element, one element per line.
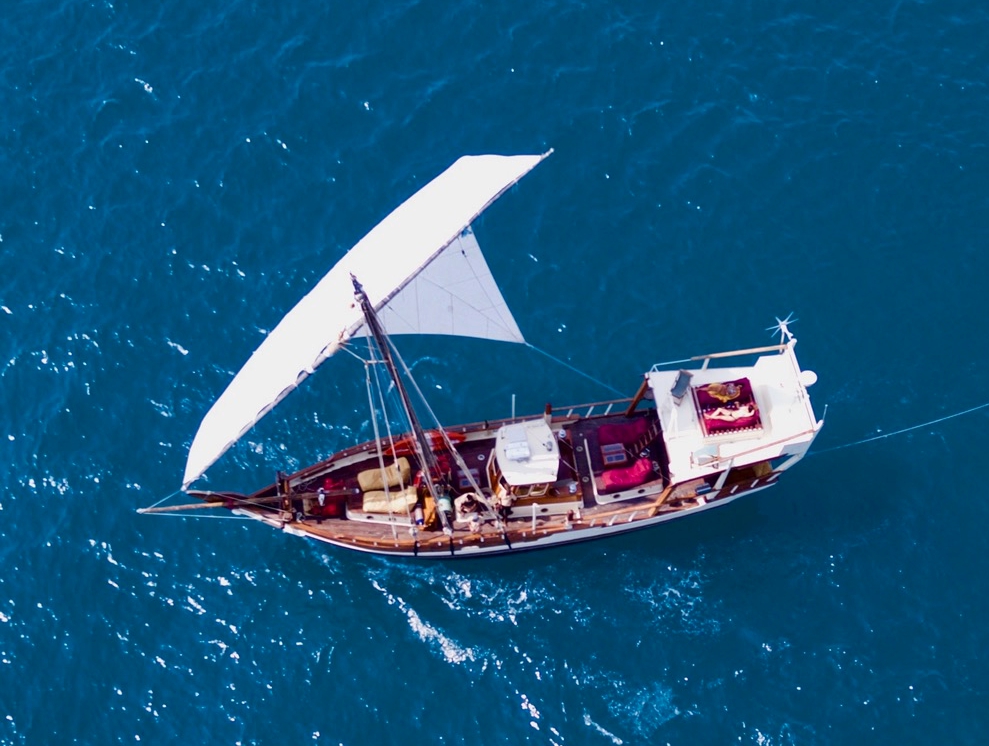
<point>727,407</point>
<point>394,475</point>
<point>631,476</point>
<point>622,432</point>
<point>401,501</point>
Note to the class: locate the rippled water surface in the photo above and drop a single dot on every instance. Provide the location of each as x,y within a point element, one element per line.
<point>175,176</point>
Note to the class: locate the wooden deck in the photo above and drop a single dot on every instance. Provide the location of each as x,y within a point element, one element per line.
<point>571,505</point>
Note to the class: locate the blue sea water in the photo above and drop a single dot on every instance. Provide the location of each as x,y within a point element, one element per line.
<point>176,175</point>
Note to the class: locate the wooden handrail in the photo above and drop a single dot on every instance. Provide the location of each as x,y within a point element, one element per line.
<point>739,353</point>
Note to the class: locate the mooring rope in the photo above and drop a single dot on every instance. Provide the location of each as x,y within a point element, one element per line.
<point>904,430</point>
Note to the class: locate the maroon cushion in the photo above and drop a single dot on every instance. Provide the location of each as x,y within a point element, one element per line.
<point>726,398</point>
<point>630,476</point>
<point>622,432</point>
<point>713,426</point>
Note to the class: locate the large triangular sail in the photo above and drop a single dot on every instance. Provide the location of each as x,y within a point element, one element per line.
<point>454,294</point>
<point>420,263</point>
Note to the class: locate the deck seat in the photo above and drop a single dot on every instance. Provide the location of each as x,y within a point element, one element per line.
<point>395,475</point>
<point>681,385</point>
<point>400,502</point>
<point>638,473</point>
<point>622,432</point>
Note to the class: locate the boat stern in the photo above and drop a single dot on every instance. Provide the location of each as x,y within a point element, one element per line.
<point>744,410</point>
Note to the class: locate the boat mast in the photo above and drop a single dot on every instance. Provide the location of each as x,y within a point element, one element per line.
<point>426,456</point>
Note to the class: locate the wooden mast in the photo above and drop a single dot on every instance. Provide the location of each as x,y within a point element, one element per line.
<point>423,450</point>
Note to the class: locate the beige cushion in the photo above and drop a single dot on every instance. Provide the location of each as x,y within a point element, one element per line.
<point>401,501</point>
<point>394,475</point>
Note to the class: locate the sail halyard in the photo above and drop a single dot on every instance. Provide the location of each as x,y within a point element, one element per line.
<point>479,495</point>
<point>387,259</point>
<point>370,364</point>
<point>427,458</point>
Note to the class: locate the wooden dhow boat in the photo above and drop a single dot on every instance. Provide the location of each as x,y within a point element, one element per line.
<point>697,434</point>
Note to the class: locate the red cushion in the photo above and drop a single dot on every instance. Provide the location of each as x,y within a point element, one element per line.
<point>622,432</point>
<point>630,476</point>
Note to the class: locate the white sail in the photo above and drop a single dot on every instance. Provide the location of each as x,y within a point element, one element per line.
<point>399,253</point>
<point>454,294</point>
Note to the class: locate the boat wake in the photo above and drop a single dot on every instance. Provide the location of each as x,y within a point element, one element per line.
<point>450,650</point>
<point>677,604</point>
<point>641,710</point>
<point>549,648</point>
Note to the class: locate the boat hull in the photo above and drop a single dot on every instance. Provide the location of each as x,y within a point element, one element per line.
<point>582,473</point>
<point>542,538</point>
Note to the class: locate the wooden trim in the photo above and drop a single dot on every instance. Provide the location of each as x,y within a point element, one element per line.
<point>638,396</point>
<point>739,353</point>
<point>180,508</point>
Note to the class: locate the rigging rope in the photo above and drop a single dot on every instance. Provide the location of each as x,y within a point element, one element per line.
<point>377,443</point>
<point>166,497</point>
<point>579,372</point>
<point>346,348</point>
<point>200,515</point>
<point>391,437</point>
<point>900,432</point>
<point>449,444</point>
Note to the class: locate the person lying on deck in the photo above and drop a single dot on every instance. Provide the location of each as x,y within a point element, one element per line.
<point>731,414</point>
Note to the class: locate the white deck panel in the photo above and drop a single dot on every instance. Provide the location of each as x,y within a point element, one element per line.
<point>788,421</point>
<point>528,453</point>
